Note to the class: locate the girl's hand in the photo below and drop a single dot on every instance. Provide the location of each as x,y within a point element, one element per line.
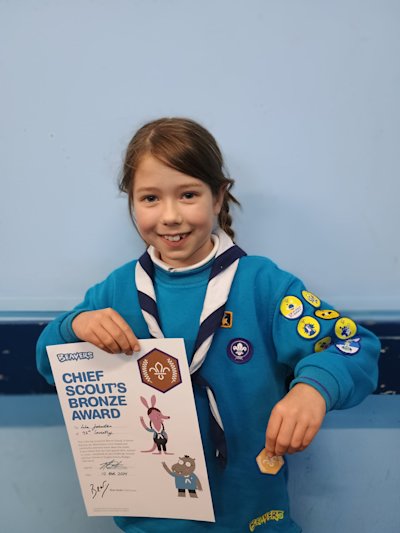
<point>107,330</point>
<point>295,420</point>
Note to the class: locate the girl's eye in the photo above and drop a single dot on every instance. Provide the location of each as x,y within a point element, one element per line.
<point>189,195</point>
<point>150,198</point>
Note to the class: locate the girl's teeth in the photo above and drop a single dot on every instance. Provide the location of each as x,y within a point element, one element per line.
<point>173,238</point>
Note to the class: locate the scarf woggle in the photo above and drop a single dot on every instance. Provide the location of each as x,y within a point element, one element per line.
<point>219,284</point>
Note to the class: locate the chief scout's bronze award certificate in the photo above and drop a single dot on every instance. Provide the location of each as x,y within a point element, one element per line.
<point>133,430</point>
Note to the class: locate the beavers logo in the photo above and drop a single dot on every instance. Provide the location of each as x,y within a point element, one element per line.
<point>160,370</point>
<point>77,356</point>
<point>274,516</point>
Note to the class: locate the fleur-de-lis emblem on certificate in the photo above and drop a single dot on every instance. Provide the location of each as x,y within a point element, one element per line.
<point>159,370</point>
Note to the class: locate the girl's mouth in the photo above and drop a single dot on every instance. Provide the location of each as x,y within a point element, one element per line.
<point>175,238</point>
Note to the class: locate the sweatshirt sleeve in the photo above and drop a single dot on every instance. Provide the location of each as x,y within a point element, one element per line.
<point>324,348</point>
<point>60,331</point>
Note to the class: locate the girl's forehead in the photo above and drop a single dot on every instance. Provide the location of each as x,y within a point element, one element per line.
<point>151,172</point>
<point>150,165</point>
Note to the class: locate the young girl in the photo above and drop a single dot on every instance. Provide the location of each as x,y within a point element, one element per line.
<point>249,328</point>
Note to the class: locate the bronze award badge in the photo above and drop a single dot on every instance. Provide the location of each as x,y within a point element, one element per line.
<point>159,370</point>
<point>269,465</point>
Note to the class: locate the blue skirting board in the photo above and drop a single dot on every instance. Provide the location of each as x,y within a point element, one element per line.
<point>18,374</point>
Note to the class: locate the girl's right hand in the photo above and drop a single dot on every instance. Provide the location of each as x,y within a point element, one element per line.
<point>107,330</point>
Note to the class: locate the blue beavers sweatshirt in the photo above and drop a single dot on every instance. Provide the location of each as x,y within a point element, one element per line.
<point>273,330</point>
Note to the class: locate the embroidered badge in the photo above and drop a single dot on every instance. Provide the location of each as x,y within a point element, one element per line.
<point>227,319</point>
<point>269,465</point>
<point>239,351</point>
<point>291,307</point>
<point>322,344</point>
<point>345,328</point>
<point>311,298</point>
<point>308,327</point>
<point>159,370</point>
<point>275,515</point>
<point>349,346</point>
<point>327,314</point>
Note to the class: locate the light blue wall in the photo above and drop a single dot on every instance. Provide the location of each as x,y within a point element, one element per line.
<point>302,96</point>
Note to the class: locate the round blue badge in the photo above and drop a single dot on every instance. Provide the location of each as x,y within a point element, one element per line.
<point>240,351</point>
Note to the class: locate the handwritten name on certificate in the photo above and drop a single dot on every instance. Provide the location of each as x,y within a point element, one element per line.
<point>133,430</point>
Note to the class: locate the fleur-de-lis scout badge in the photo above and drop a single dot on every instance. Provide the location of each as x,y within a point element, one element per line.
<point>269,465</point>
<point>240,350</point>
<point>159,370</point>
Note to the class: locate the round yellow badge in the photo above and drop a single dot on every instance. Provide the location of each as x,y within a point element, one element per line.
<point>308,327</point>
<point>322,344</point>
<point>291,307</point>
<point>345,328</point>
<point>311,298</point>
<point>327,314</point>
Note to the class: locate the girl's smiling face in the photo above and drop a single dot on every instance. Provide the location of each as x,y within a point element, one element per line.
<point>174,212</point>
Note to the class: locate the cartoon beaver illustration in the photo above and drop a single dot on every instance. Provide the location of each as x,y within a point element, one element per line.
<point>185,479</point>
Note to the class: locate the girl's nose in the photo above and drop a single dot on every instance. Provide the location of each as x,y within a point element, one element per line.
<point>171,214</point>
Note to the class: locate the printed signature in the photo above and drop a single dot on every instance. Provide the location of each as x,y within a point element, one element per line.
<point>99,489</point>
<point>111,465</point>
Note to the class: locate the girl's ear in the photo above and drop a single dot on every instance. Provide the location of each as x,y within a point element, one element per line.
<point>219,200</point>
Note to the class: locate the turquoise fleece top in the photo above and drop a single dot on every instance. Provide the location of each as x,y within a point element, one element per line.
<point>276,329</point>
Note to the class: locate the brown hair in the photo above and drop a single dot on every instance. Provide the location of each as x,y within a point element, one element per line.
<point>187,147</point>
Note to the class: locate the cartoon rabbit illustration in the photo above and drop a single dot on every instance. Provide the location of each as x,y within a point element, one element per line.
<point>156,427</point>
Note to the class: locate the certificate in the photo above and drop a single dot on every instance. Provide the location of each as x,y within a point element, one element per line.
<point>133,430</point>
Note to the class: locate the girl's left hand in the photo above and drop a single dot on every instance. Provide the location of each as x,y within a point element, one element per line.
<point>295,420</point>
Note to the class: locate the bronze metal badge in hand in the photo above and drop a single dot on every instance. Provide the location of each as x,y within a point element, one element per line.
<point>269,465</point>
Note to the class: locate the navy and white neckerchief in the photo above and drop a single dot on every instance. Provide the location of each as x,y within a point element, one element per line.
<point>223,271</point>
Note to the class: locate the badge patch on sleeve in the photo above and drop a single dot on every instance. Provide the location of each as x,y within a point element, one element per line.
<point>349,346</point>
<point>311,298</point>
<point>345,328</point>
<point>327,314</point>
<point>308,327</point>
<point>322,344</point>
<point>227,319</point>
<point>291,307</point>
